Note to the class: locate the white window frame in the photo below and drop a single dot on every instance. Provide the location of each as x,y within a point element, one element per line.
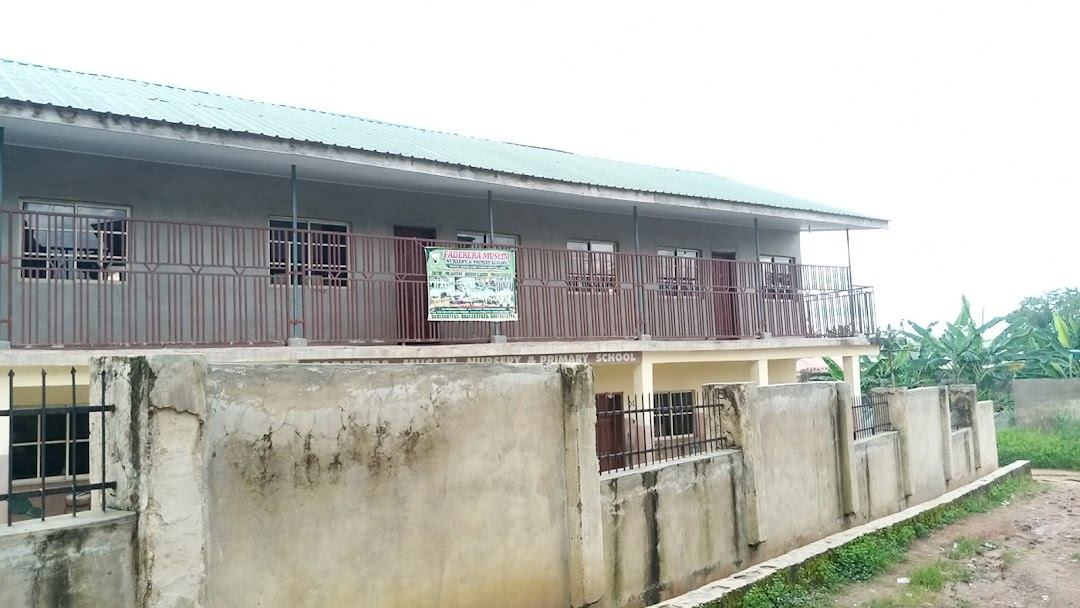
<point>67,264</point>
<point>778,276</point>
<point>678,275</point>
<point>324,275</point>
<point>481,238</point>
<point>675,413</point>
<point>583,256</point>
<point>66,441</point>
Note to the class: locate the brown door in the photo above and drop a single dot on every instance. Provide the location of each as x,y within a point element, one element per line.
<point>411,267</point>
<point>725,290</point>
<point>610,434</point>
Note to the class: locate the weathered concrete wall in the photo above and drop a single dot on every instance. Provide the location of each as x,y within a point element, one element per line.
<point>918,416</point>
<point>963,457</point>
<point>287,485</point>
<point>877,477</point>
<point>86,561</point>
<point>986,437</point>
<point>670,529</point>
<point>1040,402</point>
<point>800,463</point>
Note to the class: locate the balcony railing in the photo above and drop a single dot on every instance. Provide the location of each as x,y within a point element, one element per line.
<point>82,281</point>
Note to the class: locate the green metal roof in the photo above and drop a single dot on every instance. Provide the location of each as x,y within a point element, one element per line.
<point>37,84</point>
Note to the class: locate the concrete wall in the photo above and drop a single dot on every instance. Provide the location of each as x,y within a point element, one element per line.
<point>1040,402</point>
<point>286,485</point>
<point>800,463</point>
<point>462,485</point>
<point>86,561</point>
<point>670,529</point>
<point>877,476</point>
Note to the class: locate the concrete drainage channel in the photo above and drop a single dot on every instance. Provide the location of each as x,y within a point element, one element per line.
<point>738,584</point>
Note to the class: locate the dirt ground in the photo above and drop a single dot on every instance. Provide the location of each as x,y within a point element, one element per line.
<point>1024,554</point>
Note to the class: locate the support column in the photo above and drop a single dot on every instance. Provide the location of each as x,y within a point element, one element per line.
<point>5,337</point>
<point>945,417</point>
<point>643,331</point>
<point>759,372</point>
<point>760,280</point>
<point>846,428</point>
<point>297,329</point>
<point>851,287</point>
<point>497,336</point>
<point>640,423</point>
<point>740,418</point>
<point>852,373</point>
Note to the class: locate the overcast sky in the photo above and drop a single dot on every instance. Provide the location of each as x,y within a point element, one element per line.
<point>957,121</point>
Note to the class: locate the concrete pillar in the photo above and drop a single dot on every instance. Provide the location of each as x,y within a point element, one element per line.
<point>898,418</point>
<point>154,455</point>
<point>740,421</point>
<point>945,419</point>
<point>759,372</point>
<point>852,374</point>
<point>963,399</point>
<point>640,425</point>
<point>584,521</point>
<point>849,496</point>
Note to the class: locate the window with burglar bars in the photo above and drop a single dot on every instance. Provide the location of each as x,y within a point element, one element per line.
<point>65,443</point>
<point>678,269</point>
<point>673,414</point>
<point>591,265</point>
<point>871,414</point>
<point>49,449</point>
<point>778,276</point>
<point>73,241</point>
<point>322,253</point>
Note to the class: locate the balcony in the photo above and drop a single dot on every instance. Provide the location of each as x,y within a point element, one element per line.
<point>80,281</point>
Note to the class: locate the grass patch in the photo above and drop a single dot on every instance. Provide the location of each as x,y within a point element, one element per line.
<point>1056,447</point>
<point>870,555</point>
<point>1076,556</point>
<point>965,548</point>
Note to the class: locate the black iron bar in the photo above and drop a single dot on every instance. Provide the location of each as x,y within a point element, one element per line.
<point>73,447</point>
<point>103,439</point>
<point>41,438</point>
<point>11,440</point>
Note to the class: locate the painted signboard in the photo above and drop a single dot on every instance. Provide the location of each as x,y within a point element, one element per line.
<point>472,284</point>
<point>590,358</point>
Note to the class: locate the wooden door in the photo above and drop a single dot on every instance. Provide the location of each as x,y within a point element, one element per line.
<point>725,287</point>
<point>610,431</point>
<point>411,270</point>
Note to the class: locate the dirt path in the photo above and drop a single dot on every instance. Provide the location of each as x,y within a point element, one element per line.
<point>1024,554</point>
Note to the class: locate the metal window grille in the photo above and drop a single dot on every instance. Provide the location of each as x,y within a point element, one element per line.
<point>639,430</point>
<point>871,413</point>
<point>50,444</point>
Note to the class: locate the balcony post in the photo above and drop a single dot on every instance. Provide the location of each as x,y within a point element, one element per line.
<point>643,333</point>
<point>296,332</point>
<point>496,330</point>
<point>764,331</point>
<point>5,337</point>
<point>850,286</point>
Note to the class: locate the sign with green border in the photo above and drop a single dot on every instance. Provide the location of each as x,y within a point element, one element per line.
<point>472,284</point>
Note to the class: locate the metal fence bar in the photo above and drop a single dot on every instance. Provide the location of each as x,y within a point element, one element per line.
<point>641,430</point>
<point>871,413</point>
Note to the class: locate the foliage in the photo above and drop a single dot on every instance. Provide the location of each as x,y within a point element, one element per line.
<point>867,556</point>
<point>1057,447</point>
<point>1034,341</point>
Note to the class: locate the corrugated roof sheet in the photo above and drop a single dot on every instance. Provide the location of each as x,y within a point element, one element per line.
<point>64,88</point>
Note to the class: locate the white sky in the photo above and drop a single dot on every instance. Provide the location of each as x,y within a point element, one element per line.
<point>958,121</point>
